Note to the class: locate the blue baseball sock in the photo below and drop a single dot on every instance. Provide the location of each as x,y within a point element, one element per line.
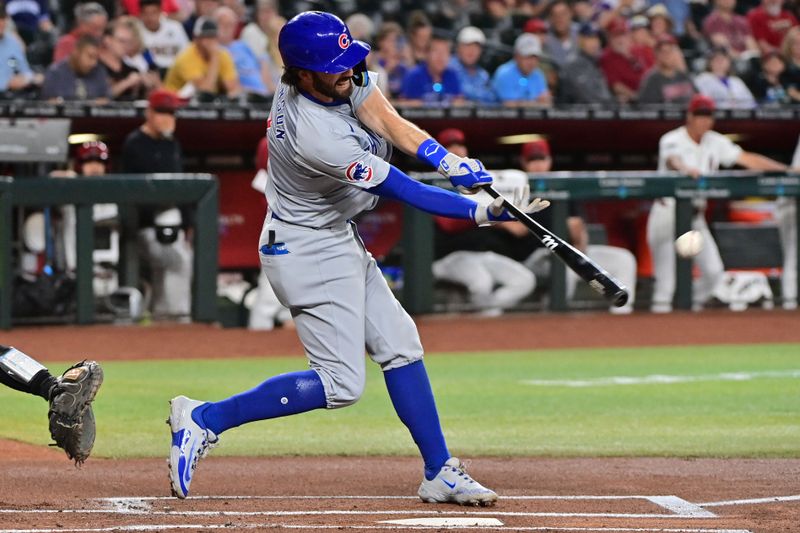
<point>283,395</point>
<point>413,401</point>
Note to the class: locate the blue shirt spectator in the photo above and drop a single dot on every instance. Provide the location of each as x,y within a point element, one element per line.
<point>15,73</point>
<point>433,81</point>
<point>253,76</point>
<point>29,17</point>
<point>520,81</point>
<point>474,79</point>
<point>248,67</point>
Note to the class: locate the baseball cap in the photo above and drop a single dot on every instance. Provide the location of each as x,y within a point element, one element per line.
<point>538,149</point>
<point>535,26</point>
<point>470,35</point>
<point>92,151</point>
<point>204,27</point>
<point>451,136</point>
<point>659,10</point>
<point>617,26</point>
<point>701,104</point>
<point>528,44</point>
<point>163,101</point>
<point>639,21</point>
<point>588,30</point>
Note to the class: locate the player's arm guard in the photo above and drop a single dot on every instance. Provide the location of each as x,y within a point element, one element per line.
<point>433,200</point>
<point>18,365</point>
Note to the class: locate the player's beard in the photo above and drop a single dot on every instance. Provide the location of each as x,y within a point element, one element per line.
<point>332,89</point>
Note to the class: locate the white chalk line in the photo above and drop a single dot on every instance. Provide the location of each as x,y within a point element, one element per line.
<point>661,379</point>
<point>752,501</point>
<point>390,512</point>
<point>162,527</point>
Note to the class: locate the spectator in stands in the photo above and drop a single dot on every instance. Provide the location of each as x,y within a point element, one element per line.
<point>641,36</point>
<point>79,76</point>
<point>474,257</point>
<point>168,7</point>
<point>31,17</point>
<point>15,73</point>
<point>127,83</point>
<point>666,83</point>
<point>769,23</point>
<point>163,36</point>
<point>420,33</point>
<point>393,55</point>
<point>90,19</point>
<point>433,81</point>
<point>724,27</point>
<point>582,11</point>
<point>261,35</point>
<point>581,81</point>
<point>452,14</point>
<point>361,27</point>
<point>661,22</point>
<point>254,75</point>
<point>136,54</point>
<point>520,81</point>
<point>202,9</point>
<point>561,39</point>
<point>728,91</point>
<point>767,84</point>
<point>536,158</point>
<point>475,81</point>
<point>790,49</point>
<point>153,148</point>
<point>204,69</point>
<point>623,65</point>
<point>607,11</point>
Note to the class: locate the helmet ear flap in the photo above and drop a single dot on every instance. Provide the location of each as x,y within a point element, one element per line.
<point>360,74</point>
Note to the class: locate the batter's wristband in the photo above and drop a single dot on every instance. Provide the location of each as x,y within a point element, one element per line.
<point>431,152</point>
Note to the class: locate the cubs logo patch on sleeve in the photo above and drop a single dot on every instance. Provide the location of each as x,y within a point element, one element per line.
<point>358,171</point>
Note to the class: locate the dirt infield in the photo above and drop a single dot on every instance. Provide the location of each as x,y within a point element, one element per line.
<point>40,491</point>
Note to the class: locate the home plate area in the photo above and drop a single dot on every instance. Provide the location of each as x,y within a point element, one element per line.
<point>308,513</point>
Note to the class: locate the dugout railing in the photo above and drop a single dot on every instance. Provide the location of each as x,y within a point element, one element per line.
<point>197,192</point>
<point>561,187</point>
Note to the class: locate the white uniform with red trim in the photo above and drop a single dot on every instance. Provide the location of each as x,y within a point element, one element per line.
<point>713,150</point>
<point>787,227</point>
<point>321,160</point>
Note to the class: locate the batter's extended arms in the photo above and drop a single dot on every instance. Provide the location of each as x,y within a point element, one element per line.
<point>597,278</point>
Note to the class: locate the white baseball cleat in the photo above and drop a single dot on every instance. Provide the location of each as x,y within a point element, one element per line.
<point>453,484</point>
<point>190,442</point>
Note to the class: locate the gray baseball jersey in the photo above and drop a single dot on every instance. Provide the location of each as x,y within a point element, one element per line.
<point>320,163</point>
<point>320,159</point>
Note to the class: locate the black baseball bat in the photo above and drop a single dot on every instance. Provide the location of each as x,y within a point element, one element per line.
<point>597,278</point>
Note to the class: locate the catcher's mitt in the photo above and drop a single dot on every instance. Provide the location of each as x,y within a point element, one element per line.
<point>72,425</point>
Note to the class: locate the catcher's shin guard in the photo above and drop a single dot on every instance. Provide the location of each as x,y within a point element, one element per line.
<point>72,424</point>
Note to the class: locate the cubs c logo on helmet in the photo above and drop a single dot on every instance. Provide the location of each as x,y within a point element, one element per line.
<point>359,171</point>
<point>344,41</point>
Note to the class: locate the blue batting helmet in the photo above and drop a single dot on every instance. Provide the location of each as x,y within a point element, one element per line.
<point>321,42</point>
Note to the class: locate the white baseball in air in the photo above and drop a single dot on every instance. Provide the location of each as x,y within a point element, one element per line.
<point>689,244</point>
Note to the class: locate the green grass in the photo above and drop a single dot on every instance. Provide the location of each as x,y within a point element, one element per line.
<point>485,407</point>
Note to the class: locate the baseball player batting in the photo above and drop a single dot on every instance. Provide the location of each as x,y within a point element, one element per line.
<point>694,150</point>
<point>330,135</point>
